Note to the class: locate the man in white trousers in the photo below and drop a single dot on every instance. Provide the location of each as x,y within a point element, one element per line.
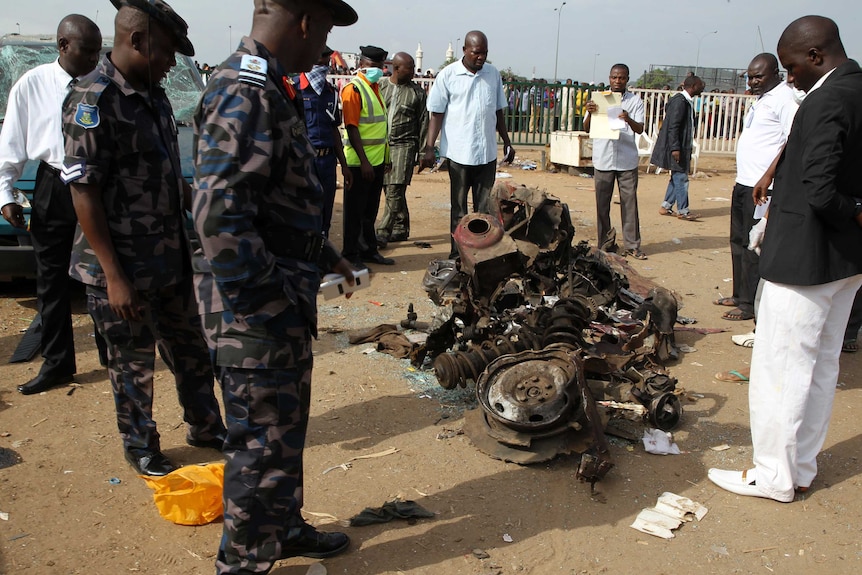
<point>812,263</point>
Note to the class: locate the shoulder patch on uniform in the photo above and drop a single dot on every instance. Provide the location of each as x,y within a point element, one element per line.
<point>252,70</point>
<point>73,171</point>
<point>87,116</point>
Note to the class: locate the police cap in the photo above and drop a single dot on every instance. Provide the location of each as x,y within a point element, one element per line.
<point>342,13</point>
<point>373,53</point>
<point>161,12</point>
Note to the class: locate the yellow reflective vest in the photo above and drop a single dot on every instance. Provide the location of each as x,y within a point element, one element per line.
<point>372,128</point>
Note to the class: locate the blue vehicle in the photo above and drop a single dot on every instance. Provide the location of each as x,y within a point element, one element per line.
<point>18,54</point>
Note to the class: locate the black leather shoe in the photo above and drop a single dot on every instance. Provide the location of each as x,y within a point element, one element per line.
<point>42,383</point>
<point>306,541</point>
<point>216,442</point>
<point>398,238</point>
<point>378,259</point>
<point>152,463</point>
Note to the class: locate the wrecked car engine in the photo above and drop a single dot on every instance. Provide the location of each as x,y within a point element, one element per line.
<point>563,342</point>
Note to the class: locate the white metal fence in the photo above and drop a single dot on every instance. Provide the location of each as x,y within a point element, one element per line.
<point>719,117</point>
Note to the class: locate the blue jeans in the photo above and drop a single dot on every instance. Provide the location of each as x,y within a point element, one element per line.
<point>677,193</point>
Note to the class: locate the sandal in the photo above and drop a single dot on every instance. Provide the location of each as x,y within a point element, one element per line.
<point>737,314</point>
<point>733,376</point>
<point>850,346</point>
<point>635,253</point>
<point>726,301</point>
<point>666,212</point>
<point>689,217</point>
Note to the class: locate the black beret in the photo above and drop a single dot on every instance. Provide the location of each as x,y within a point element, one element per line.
<point>373,53</point>
<point>161,12</point>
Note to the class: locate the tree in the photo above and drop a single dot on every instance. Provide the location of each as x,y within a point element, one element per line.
<point>656,79</point>
<point>508,73</point>
<point>444,64</point>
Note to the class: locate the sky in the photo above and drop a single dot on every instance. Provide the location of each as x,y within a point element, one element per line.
<point>522,35</point>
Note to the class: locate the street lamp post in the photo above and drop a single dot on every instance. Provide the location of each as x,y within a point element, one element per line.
<point>19,28</point>
<point>595,57</point>
<point>559,12</point>
<point>699,40</point>
<point>230,39</point>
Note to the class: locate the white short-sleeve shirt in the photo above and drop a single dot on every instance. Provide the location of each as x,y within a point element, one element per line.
<point>469,103</point>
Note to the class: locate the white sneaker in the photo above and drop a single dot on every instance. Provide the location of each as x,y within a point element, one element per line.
<point>744,339</point>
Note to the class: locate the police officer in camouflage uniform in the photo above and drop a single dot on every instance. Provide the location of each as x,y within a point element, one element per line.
<point>323,119</point>
<point>123,164</point>
<point>258,210</point>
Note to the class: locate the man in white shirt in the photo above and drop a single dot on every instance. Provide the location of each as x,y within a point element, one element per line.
<point>617,160</point>
<point>466,104</point>
<point>32,130</point>
<point>765,129</point>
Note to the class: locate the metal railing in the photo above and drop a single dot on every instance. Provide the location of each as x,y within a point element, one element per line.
<point>718,118</point>
<point>535,110</point>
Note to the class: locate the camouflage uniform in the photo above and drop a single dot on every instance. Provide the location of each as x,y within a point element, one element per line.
<point>125,142</point>
<point>408,127</point>
<point>258,205</point>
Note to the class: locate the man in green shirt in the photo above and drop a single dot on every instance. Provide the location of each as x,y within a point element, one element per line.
<point>408,126</point>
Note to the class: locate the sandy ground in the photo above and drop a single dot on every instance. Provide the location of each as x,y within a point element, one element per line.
<point>64,516</point>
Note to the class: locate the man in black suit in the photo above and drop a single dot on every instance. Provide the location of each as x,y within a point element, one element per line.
<point>673,147</point>
<point>812,263</point>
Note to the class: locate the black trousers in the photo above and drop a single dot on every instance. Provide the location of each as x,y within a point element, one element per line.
<point>476,179</point>
<point>52,231</point>
<point>361,203</point>
<point>746,266</point>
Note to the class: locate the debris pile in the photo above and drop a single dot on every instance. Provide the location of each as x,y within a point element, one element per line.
<point>546,328</point>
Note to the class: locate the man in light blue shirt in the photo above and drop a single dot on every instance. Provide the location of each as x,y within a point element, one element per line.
<point>617,160</point>
<point>466,104</point>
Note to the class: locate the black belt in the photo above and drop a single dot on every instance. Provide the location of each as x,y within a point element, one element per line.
<point>288,243</point>
<point>43,165</point>
<point>324,152</point>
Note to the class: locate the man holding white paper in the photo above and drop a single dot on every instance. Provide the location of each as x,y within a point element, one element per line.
<point>616,160</point>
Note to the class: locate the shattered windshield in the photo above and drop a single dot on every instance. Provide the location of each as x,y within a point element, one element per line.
<point>183,85</point>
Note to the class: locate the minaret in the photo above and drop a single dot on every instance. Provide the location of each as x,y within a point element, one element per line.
<point>450,53</point>
<point>419,56</point>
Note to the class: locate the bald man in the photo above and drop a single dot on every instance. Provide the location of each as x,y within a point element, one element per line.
<point>811,263</point>
<point>32,130</point>
<point>767,126</point>
<point>258,211</point>
<point>131,251</point>
<point>407,124</point>
<point>466,104</point>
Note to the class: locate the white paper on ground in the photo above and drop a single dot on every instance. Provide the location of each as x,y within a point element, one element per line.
<point>670,512</point>
<point>659,442</point>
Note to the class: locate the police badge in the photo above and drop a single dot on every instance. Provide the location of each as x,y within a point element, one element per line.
<point>87,116</point>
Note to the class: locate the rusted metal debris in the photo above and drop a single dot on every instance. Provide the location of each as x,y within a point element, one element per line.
<point>545,328</point>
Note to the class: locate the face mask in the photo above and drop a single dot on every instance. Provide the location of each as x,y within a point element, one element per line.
<point>373,74</point>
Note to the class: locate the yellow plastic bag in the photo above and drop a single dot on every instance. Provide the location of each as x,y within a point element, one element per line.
<point>191,495</point>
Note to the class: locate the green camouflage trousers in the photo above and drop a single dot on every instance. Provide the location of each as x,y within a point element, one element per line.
<point>266,375</point>
<point>170,320</point>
